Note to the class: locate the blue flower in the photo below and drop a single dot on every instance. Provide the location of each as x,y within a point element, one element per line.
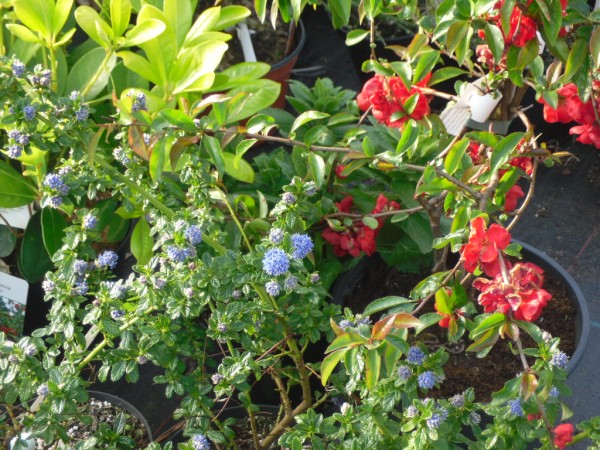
<point>290,283</point>
<point>14,151</point>
<point>22,139</point>
<point>117,314</point>
<point>475,418</point>
<point>310,188</point>
<point>200,442</point>
<point>139,102</point>
<point>74,95</point>
<point>554,392</point>
<point>115,290</point>
<point>559,360</point>
<point>176,254</point>
<point>275,262</point>
<point>457,401</point>
<point>29,112</point>
<point>45,77</point>
<point>415,356</point>
<point>18,68</point>
<point>272,288</point>
<point>426,380</point>
<point>48,285</point>
<point>412,411</point>
<point>42,390</point>
<point>276,235</point>
<point>288,198</point>
<point>56,201</point>
<point>302,244</point>
<point>216,378</point>
<point>121,156</point>
<point>82,113</point>
<point>404,372</point>
<point>315,278</point>
<point>515,407</point>
<point>193,234</point>
<point>79,266</point>
<point>434,421</point>
<point>345,324</point>
<point>80,288</point>
<point>56,183</point>
<point>90,221</point>
<point>107,259</point>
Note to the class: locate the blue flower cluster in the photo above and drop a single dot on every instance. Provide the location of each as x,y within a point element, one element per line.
<point>179,254</point>
<point>290,283</point>
<point>79,266</point>
<point>55,183</point>
<point>117,314</point>
<point>426,380</point>
<point>434,421</point>
<point>345,324</point>
<point>29,112</point>
<point>44,78</point>
<point>200,442</point>
<point>82,113</point>
<point>415,356</point>
<point>272,288</point>
<point>18,68</point>
<point>457,401</point>
<point>14,151</point>
<point>515,407</point>
<point>302,244</point>
<point>107,259</point>
<point>193,234</point>
<point>90,221</point>
<point>139,102</point>
<point>276,235</point>
<point>288,198</point>
<point>80,288</point>
<point>121,156</point>
<point>404,372</point>
<point>560,360</point>
<point>275,262</point>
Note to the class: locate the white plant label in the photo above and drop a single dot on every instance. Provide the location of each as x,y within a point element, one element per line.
<point>13,299</point>
<point>16,217</point>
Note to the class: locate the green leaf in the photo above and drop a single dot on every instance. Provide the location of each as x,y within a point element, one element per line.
<point>306,117</point>
<point>143,32</point>
<point>457,32</point>
<point>316,165</point>
<point>409,137</point>
<point>141,66</point>
<point>37,15</point>
<point>453,160</point>
<point>444,74</point>
<point>241,171</point>
<point>577,56</point>
<point>487,341</point>
<point>595,47</point>
<point>7,241</point>
<point>252,97</point>
<point>372,368</point>
<point>231,15</point>
<point>84,72</point>
<point>213,147</point>
<point>53,229</point>
<point>141,242</point>
<point>24,33</point>
<point>15,189</point>
<point>370,222</point>
<point>385,303</point>
<point>356,36</point>
<point>120,13</point>
<point>62,9</point>
<point>90,22</point>
<point>425,65</point>
<point>179,119</point>
<point>493,321</point>
<point>34,261</point>
<point>329,363</point>
<point>346,340</point>
<point>504,150</point>
<point>494,40</point>
<point>157,159</point>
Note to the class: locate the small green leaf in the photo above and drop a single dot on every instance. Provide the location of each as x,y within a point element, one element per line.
<point>372,368</point>
<point>306,117</point>
<point>120,13</point>
<point>7,241</point>
<point>141,242</point>
<point>143,32</point>
<point>179,119</point>
<point>317,166</point>
<point>90,22</point>
<point>34,261</point>
<point>504,150</point>
<point>453,159</point>
<point>355,36</point>
<point>577,55</point>
<point>495,41</point>
<point>241,171</point>
<point>493,321</point>
<point>487,341</point>
<point>385,303</point>
<point>329,363</point>
<point>346,340</point>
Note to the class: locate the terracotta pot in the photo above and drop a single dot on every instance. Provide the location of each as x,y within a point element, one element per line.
<point>282,70</point>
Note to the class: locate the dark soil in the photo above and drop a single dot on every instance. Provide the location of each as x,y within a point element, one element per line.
<point>464,369</point>
<point>264,422</point>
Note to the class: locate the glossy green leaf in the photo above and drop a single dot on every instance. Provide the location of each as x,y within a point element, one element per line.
<point>53,229</point>
<point>445,73</point>
<point>62,9</point>
<point>493,321</point>
<point>577,55</point>
<point>486,341</point>
<point>504,150</point>
<point>37,15</point>
<point>143,32</point>
<point>241,171</point>
<point>91,22</point>
<point>385,303</point>
<point>120,13</point>
<point>157,160</point>
<point>340,12</point>
<point>346,340</point>
<point>425,65</point>
<point>231,15</point>
<point>24,33</point>
<point>329,363</point>
<point>84,72</point>
<point>316,165</point>
<point>141,242</point>
<point>457,32</point>
<point>307,117</point>
<point>15,189</point>
<point>252,98</point>
<point>7,241</point>
<point>34,261</point>
<point>409,137</point>
<point>495,41</point>
<point>370,222</point>
<point>595,47</point>
<point>372,368</point>
<point>356,36</point>
<point>179,119</point>
<point>453,159</point>
<point>141,66</point>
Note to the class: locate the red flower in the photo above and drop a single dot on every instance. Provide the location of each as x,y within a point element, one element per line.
<point>445,320</point>
<point>483,246</point>
<point>387,97</point>
<point>338,171</point>
<point>563,434</point>
<point>524,163</point>
<point>588,134</point>
<point>523,294</point>
<point>512,198</point>
<point>522,29</point>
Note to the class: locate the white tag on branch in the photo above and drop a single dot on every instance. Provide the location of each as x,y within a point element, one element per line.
<point>16,217</point>
<point>13,296</point>
<point>482,104</point>
<point>455,117</point>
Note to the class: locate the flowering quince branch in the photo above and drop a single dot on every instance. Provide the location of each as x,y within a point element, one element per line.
<point>292,142</point>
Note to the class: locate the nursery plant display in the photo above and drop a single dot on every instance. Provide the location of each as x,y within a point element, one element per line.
<point>233,259</point>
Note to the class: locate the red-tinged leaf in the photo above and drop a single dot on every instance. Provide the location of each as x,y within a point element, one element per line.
<point>179,147</point>
<point>372,368</point>
<point>529,384</point>
<point>511,330</point>
<point>136,142</point>
<point>404,320</point>
<point>346,340</point>
<point>383,327</point>
<point>487,340</point>
<point>329,363</point>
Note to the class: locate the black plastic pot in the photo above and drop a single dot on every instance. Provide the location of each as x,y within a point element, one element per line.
<point>124,404</point>
<point>348,281</point>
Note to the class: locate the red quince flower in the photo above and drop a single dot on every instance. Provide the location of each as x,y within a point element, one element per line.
<point>338,171</point>
<point>445,320</point>
<point>522,29</point>
<point>524,163</point>
<point>523,294</point>
<point>512,198</point>
<point>483,246</point>
<point>588,134</point>
<point>371,87</point>
<point>563,434</point>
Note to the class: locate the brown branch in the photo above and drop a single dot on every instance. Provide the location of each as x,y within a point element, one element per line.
<point>293,142</point>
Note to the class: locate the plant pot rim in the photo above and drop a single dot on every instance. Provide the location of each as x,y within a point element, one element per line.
<point>300,41</point>
<point>120,402</point>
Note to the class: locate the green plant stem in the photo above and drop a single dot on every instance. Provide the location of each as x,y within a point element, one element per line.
<point>101,68</point>
<point>237,222</point>
<point>580,437</point>
<point>168,212</point>
<point>53,67</point>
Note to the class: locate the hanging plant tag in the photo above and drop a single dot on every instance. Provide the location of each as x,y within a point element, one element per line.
<point>16,217</point>
<point>482,104</point>
<point>455,117</point>
<point>13,298</point>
